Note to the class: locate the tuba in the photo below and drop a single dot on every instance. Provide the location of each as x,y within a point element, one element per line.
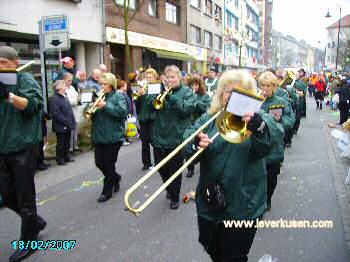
<point>94,105</point>
<point>288,79</point>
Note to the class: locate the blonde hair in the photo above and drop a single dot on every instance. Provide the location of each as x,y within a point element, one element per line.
<point>58,84</point>
<point>110,79</point>
<point>269,78</point>
<point>231,78</point>
<point>152,72</point>
<point>174,69</point>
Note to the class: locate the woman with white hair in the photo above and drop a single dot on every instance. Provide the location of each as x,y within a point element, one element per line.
<point>235,173</point>
<point>107,134</point>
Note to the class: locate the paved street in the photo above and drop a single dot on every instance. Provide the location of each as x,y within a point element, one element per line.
<point>307,190</point>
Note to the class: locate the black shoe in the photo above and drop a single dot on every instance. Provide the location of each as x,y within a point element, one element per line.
<point>41,224</point>
<point>174,205</point>
<point>288,145</point>
<point>41,167</point>
<point>69,160</point>
<point>61,163</point>
<point>190,173</point>
<point>21,254</point>
<point>103,198</point>
<point>167,195</point>
<point>144,168</point>
<point>77,149</point>
<point>268,208</point>
<point>116,186</point>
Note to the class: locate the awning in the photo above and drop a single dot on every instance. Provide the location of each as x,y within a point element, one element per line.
<point>172,55</point>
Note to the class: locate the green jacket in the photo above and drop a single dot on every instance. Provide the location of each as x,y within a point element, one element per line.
<point>294,98</point>
<point>203,103</point>
<point>282,93</point>
<point>64,70</point>
<point>108,124</point>
<point>301,86</point>
<point>287,122</point>
<point>146,111</point>
<point>21,130</point>
<point>171,122</point>
<point>240,168</point>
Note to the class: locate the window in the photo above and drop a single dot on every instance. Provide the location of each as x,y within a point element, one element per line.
<point>195,34</point>
<point>329,45</point>
<point>208,39</point>
<point>217,14</point>
<point>172,13</point>
<point>217,42</point>
<point>196,3</point>
<point>228,50</point>
<point>236,24</point>
<point>236,3</point>
<point>208,7</point>
<point>229,18</point>
<point>133,3</point>
<point>152,8</point>
<point>333,44</point>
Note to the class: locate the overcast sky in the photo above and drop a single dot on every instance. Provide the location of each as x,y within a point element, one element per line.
<point>305,19</point>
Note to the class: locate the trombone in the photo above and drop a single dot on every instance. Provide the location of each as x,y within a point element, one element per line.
<point>159,102</point>
<point>94,105</point>
<point>231,127</point>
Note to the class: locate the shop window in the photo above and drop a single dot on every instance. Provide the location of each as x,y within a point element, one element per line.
<point>196,3</point>
<point>132,3</point>
<point>152,8</point>
<point>195,34</point>
<point>217,42</point>
<point>217,14</point>
<point>236,3</point>
<point>208,7</point>
<point>208,39</point>
<point>172,13</point>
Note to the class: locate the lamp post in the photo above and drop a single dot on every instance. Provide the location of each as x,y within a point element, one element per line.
<point>327,16</point>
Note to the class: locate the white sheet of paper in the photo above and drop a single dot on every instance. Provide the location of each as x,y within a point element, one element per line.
<point>8,78</point>
<point>276,111</point>
<point>240,104</point>
<point>135,88</point>
<point>154,89</point>
<point>86,97</point>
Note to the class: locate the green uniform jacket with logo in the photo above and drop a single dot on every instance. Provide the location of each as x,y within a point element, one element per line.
<point>108,123</point>
<point>203,103</point>
<point>294,97</point>
<point>287,122</point>
<point>301,86</point>
<point>146,111</point>
<point>282,93</point>
<point>240,168</point>
<point>21,129</point>
<point>171,121</point>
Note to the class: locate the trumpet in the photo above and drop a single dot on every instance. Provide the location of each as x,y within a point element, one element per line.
<point>136,95</point>
<point>159,102</point>
<point>94,105</point>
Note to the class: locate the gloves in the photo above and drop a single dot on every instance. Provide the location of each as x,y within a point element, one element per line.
<point>256,124</point>
<point>4,91</point>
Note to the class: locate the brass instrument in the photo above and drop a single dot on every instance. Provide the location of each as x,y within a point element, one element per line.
<point>94,105</point>
<point>159,102</point>
<point>288,79</point>
<point>25,66</point>
<point>136,95</point>
<point>231,128</point>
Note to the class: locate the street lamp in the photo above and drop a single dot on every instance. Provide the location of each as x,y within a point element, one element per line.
<point>327,16</point>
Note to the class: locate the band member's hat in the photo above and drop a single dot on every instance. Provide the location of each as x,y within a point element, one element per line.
<point>131,76</point>
<point>8,53</point>
<point>302,70</point>
<point>67,59</point>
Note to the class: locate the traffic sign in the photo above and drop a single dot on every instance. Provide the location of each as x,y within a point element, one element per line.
<point>55,31</point>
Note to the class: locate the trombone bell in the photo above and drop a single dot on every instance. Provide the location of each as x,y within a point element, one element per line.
<point>232,128</point>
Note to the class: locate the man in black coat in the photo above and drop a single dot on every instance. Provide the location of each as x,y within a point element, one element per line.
<point>63,121</point>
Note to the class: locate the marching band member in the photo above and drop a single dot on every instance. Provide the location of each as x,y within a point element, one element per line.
<point>301,89</point>
<point>107,134</point>
<point>21,107</point>
<point>146,115</point>
<point>240,171</point>
<point>203,103</point>
<point>282,113</point>
<point>168,128</point>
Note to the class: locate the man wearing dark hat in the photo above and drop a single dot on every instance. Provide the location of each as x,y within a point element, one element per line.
<point>211,81</point>
<point>68,67</point>
<point>21,105</point>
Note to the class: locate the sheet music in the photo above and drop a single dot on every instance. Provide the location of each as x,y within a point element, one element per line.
<point>135,88</point>
<point>240,104</point>
<point>154,89</point>
<point>276,112</point>
<point>8,78</point>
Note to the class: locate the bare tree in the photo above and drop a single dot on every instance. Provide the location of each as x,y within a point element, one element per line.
<point>344,51</point>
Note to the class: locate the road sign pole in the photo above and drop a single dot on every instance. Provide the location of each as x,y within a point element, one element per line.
<point>43,68</point>
<point>59,56</point>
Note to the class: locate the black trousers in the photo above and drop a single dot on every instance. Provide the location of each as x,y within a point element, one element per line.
<point>302,100</point>
<point>40,153</point>
<point>145,134</point>
<point>344,112</point>
<point>225,244</point>
<point>106,155</point>
<point>288,135</point>
<point>17,189</point>
<point>272,171</point>
<point>169,169</point>
<point>297,119</point>
<point>62,148</point>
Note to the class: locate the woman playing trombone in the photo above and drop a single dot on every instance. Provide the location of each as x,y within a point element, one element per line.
<point>232,172</point>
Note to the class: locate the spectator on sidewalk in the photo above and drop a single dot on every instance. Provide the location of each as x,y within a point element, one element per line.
<point>68,67</point>
<point>93,82</point>
<point>320,91</point>
<point>63,122</point>
<point>344,101</point>
<point>20,133</point>
<point>103,68</point>
<point>83,81</point>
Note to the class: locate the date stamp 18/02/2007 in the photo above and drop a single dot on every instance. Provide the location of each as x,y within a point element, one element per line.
<point>44,244</point>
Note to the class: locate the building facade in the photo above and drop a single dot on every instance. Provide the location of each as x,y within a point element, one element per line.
<point>205,31</point>
<point>265,13</point>
<point>20,30</point>
<point>241,34</point>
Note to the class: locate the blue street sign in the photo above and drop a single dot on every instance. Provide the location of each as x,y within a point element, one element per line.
<point>55,24</point>
<point>54,75</point>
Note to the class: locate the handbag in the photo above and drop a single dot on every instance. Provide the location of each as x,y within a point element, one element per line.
<point>131,126</point>
<point>214,197</point>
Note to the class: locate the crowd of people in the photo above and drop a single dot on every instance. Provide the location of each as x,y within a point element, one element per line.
<point>236,180</point>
